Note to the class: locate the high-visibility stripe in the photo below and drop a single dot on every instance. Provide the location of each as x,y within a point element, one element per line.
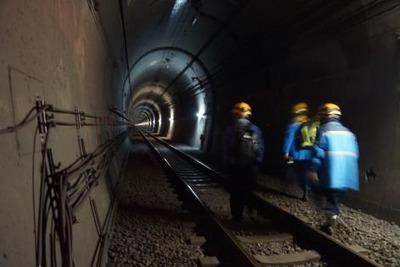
<point>347,153</point>
<point>337,132</point>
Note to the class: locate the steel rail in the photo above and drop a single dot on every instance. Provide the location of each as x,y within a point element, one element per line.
<point>204,215</point>
<point>305,233</point>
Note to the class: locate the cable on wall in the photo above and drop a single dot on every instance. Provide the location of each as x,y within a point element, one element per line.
<point>63,190</point>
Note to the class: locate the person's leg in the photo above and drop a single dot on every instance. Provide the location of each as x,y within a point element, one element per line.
<point>234,201</point>
<point>236,195</point>
<point>333,199</point>
<point>236,206</point>
<point>249,184</point>
<point>300,169</point>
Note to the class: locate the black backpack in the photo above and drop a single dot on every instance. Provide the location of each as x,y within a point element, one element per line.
<point>246,144</point>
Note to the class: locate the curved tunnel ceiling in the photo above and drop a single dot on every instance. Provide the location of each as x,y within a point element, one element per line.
<point>159,81</point>
<point>180,51</point>
<point>166,67</point>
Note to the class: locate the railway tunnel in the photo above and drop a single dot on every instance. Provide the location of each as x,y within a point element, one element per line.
<point>75,75</point>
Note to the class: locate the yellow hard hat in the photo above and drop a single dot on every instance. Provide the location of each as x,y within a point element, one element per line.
<point>300,109</point>
<point>241,109</point>
<point>329,109</point>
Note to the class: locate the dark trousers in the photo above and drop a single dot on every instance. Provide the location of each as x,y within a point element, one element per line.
<point>300,170</point>
<point>331,199</point>
<point>241,185</point>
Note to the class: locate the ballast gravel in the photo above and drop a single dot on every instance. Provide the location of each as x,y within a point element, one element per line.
<point>152,229</point>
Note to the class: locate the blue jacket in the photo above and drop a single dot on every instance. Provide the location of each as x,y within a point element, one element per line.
<point>290,146</point>
<point>335,157</point>
<point>230,138</point>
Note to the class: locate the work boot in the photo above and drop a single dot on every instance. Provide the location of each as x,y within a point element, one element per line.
<point>331,220</point>
<point>327,227</point>
<point>251,213</point>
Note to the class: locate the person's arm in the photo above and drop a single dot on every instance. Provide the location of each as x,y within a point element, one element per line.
<point>259,145</point>
<point>288,140</point>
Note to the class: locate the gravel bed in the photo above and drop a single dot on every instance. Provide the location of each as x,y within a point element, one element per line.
<point>151,229</point>
<point>217,200</point>
<point>381,238</point>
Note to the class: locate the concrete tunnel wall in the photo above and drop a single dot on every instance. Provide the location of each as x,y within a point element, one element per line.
<point>54,49</point>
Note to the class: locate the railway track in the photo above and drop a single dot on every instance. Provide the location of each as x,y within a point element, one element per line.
<point>269,237</point>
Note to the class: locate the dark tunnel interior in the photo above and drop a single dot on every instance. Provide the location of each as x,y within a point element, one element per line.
<point>175,68</point>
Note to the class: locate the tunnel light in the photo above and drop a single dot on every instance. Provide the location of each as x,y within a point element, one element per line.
<point>178,6</point>
<point>153,63</point>
<point>201,113</point>
<point>194,19</point>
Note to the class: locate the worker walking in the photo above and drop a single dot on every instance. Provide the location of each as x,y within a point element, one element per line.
<point>334,163</point>
<point>243,152</point>
<point>297,145</point>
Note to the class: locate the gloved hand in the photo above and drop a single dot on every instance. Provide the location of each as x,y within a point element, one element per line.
<point>287,158</point>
